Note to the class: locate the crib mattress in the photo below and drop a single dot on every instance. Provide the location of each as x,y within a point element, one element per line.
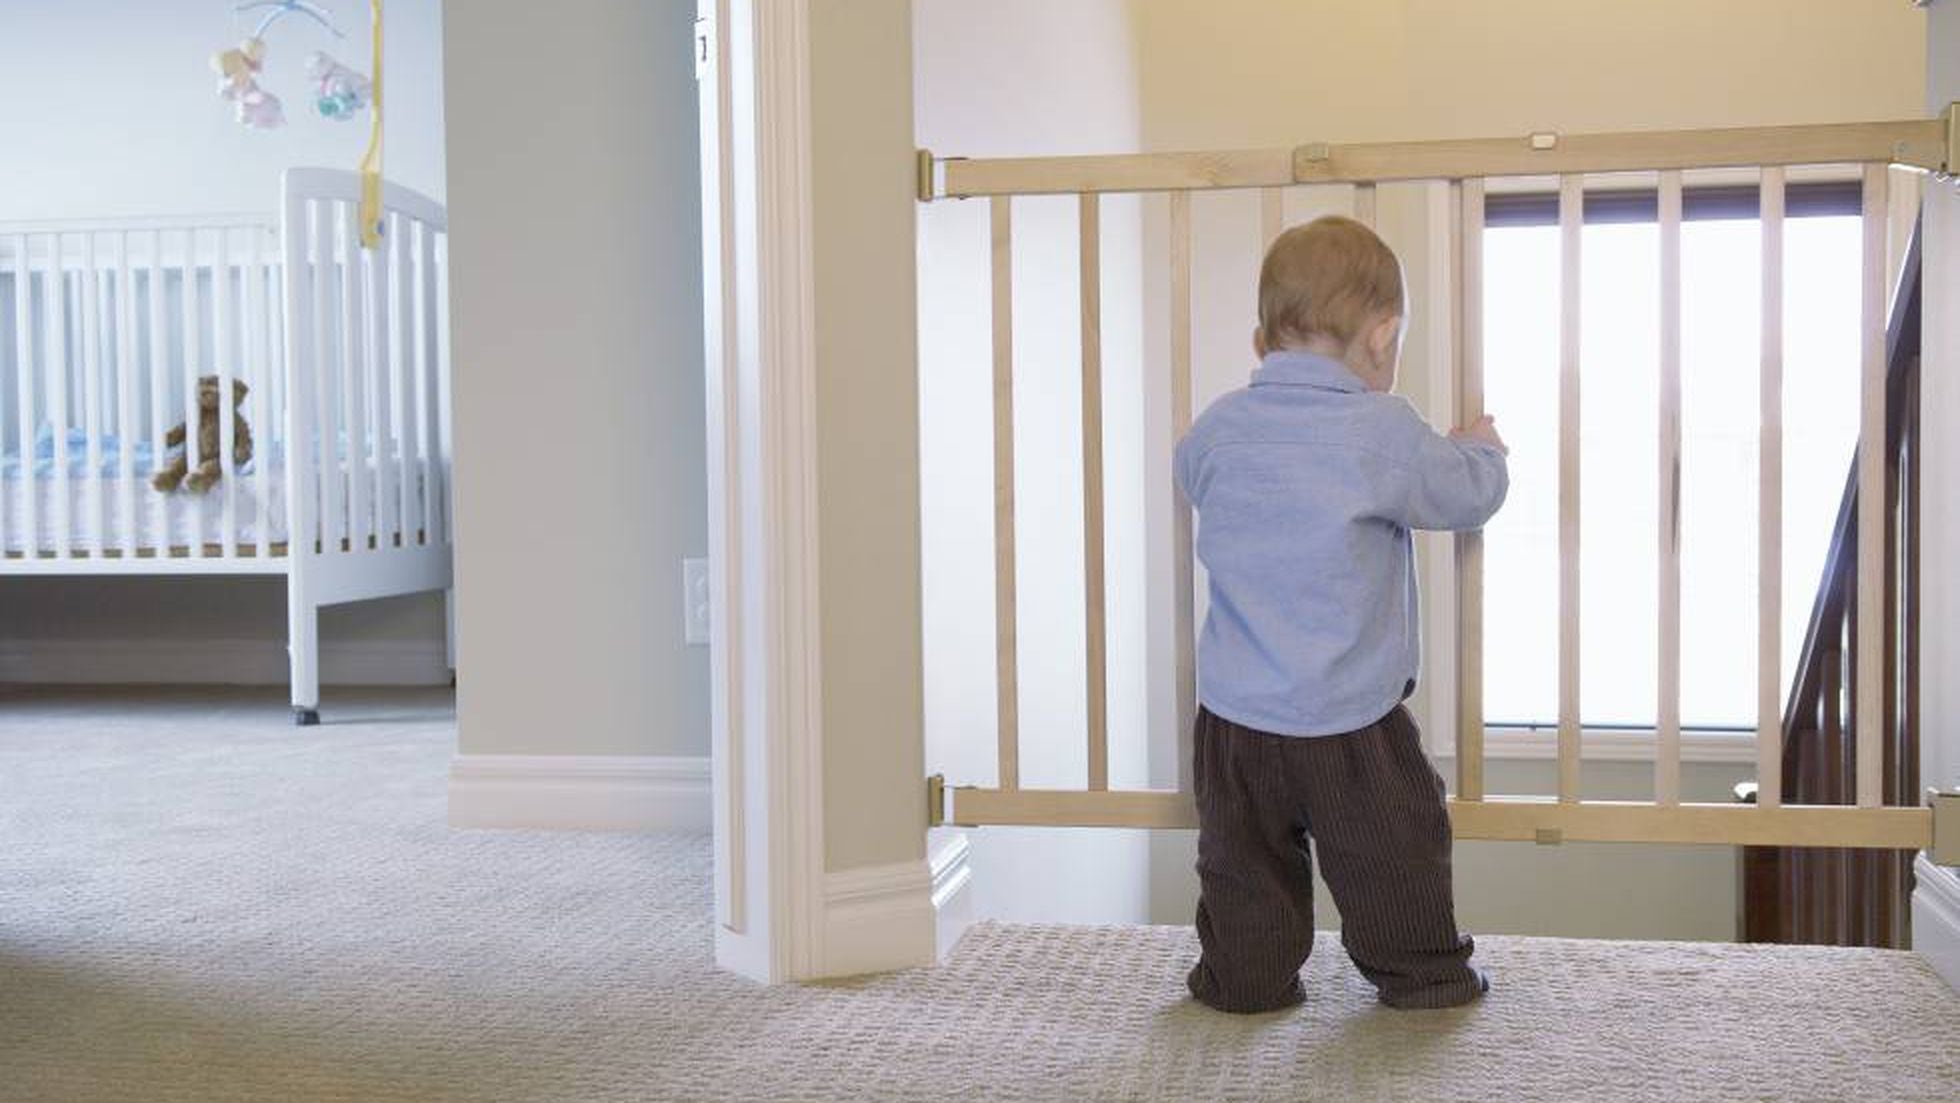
<point>162,521</point>
<point>91,512</point>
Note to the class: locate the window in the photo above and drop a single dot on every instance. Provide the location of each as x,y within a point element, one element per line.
<point>1720,370</point>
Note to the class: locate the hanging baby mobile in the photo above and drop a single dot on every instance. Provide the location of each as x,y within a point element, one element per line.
<point>339,93</point>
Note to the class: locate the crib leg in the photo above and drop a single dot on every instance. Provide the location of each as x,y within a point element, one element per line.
<point>303,650</point>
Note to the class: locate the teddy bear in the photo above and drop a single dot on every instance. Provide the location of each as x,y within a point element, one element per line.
<point>208,469</point>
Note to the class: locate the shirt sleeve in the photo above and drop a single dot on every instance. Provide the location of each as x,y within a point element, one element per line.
<point>1452,484</point>
<point>1184,466</point>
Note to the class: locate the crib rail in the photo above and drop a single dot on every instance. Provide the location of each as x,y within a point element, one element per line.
<point>1464,168</point>
<point>105,328</point>
<point>368,370</point>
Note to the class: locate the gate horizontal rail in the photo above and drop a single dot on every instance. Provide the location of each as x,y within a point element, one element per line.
<point>1920,143</point>
<point>1516,819</point>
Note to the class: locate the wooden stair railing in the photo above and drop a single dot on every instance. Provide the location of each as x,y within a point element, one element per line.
<point>1848,897</point>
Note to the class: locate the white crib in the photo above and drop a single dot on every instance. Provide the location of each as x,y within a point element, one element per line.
<point>105,328</point>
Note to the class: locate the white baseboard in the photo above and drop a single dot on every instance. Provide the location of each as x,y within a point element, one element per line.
<point>580,792</point>
<point>1936,918</point>
<point>950,863</point>
<point>218,662</point>
<point>877,918</point>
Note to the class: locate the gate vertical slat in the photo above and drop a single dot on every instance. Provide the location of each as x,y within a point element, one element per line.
<point>1094,623</point>
<point>1769,535</point>
<point>1667,723</point>
<point>1184,600</point>
<point>1468,316</point>
<point>1571,220</point>
<point>1006,666</point>
<point>1868,725</point>
<point>1272,217</point>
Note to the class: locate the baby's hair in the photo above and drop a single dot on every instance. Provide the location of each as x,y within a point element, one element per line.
<point>1331,278</point>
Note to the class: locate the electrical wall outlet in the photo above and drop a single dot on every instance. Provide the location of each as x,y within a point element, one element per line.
<point>694,599</point>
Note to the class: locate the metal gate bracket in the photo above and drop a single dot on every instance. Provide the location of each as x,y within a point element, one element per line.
<point>1946,826</point>
<point>926,185</point>
<point>936,800</point>
<point>1953,139</point>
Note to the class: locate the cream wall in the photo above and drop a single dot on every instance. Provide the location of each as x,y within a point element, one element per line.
<point>110,110</point>
<point>1221,73</point>
<point>579,405</point>
<point>868,434</point>
<point>1232,73</point>
<point>1026,77</point>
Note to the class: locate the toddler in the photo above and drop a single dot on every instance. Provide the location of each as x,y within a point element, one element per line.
<point>1307,484</point>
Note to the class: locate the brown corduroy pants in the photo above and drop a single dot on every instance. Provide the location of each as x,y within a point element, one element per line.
<point>1373,804</point>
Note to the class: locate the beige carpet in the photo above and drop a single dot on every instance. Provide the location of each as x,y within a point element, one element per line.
<point>200,902</point>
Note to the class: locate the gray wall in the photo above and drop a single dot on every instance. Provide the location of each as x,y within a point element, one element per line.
<point>579,408</point>
<point>109,110</point>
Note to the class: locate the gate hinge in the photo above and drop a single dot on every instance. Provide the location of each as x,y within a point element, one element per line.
<point>936,800</point>
<point>1953,139</point>
<point>1945,850</point>
<point>925,183</point>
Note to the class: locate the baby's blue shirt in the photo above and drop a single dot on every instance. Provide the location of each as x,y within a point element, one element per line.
<point>1307,485</point>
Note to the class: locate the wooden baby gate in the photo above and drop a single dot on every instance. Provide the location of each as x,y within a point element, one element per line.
<point>1464,166</point>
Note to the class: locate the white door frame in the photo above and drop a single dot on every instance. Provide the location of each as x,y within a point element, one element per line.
<point>754,60</point>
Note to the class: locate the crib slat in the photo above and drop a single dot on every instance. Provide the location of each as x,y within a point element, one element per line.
<point>381,376</point>
<point>56,358</point>
<point>429,368</point>
<point>193,367</point>
<point>1184,601</point>
<point>329,475</point>
<point>1869,715</point>
<point>1006,664</point>
<point>1468,245</point>
<point>1769,534</point>
<point>1571,225</point>
<point>1667,756</point>
<point>259,361</point>
<point>400,231</point>
<point>24,376</point>
<point>158,351</point>
<point>127,432</point>
<point>1095,624</point>
<point>300,292</point>
<point>353,380</point>
<point>1364,204</point>
<point>277,364</point>
<point>24,448</point>
<point>94,531</point>
<point>221,354</point>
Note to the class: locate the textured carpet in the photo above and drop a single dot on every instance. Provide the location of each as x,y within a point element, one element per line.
<point>200,902</point>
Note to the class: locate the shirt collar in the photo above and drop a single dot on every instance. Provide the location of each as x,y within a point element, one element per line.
<point>1299,368</point>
